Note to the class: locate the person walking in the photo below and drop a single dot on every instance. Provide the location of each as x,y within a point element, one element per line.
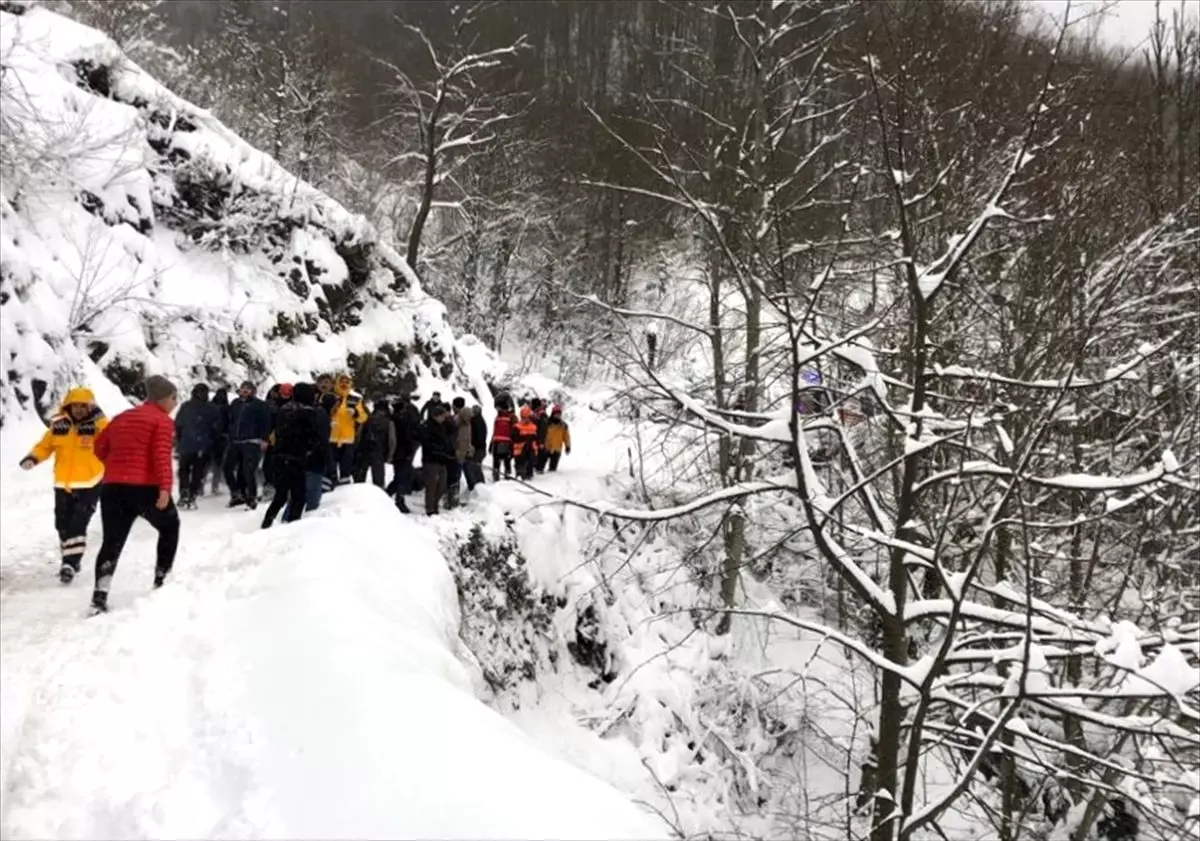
<point>542,422</point>
<point>70,441</point>
<point>376,445</point>
<point>217,463</point>
<point>406,423</point>
<point>300,441</point>
<point>136,451</point>
<point>249,428</point>
<point>196,430</point>
<point>558,438</point>
<point>473,467</point>
<point>347,416</point>
<point>502,442</point>
<point>525,444</point>
<point>462,451</point>
<point>437,455</point>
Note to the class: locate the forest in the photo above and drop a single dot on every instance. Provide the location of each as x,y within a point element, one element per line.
<point>905,298</point>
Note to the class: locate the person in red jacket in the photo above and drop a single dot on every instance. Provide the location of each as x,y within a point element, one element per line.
<point>502,443</point>
<point>136,450</point>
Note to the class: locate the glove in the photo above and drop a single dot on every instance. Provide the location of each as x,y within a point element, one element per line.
<point>568,450</point>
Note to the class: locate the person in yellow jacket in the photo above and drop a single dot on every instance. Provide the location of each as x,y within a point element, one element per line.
<point>345,419</point>
<point>558,438</point>
<point>77,472</point>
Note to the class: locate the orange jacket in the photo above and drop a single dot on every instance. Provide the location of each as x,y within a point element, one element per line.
<point>524,432</point>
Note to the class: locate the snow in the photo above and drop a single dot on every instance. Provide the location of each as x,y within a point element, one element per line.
<point>129,286</point>
<point>301,682</point>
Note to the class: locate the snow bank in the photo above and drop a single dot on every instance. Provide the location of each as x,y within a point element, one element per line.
<point>296,683</point>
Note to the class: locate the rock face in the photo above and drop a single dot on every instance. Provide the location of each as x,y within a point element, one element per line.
<point>140,235</point>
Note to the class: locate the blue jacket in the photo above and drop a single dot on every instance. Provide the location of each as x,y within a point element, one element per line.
<point>249,420</point>
<point>197,426</point>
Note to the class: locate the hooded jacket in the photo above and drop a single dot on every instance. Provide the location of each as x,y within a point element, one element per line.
<point>72,443</point>
<point>558,435</point>
<point>348,414</point>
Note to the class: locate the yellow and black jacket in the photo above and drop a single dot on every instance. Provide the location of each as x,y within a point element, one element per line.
<point>70,443</point>
<point>347,416</point>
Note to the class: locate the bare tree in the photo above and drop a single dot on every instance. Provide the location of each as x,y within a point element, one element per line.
<point>455,118</point>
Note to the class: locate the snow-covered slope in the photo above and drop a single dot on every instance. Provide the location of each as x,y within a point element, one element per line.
<point>141,234</point>
<point>296,683</point>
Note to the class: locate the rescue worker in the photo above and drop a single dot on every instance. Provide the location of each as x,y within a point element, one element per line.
<point>347,416</point>
<point>502,443</point>
<point>558,437</point>
<point>136,451</point>
<point>525,444</point>
<point>437,454</point>
<point>77,473</point>
<point>197,425</point>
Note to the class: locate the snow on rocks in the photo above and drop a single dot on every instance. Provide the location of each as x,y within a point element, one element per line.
<point>300,682</point>
<point>142,234</point>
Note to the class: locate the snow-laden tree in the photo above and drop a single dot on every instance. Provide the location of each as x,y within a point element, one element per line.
<point>1014,533</point>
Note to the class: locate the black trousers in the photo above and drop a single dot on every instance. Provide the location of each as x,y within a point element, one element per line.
<point>241,469</point>
<point>525,463</point>
<point>554,457</point>
<point>543,456</point>
<point>73,511</point>
<point>291,489</point>
<point>501,455</point>
<point>192,468</point>
<point>120,505</point>
<point>341,464</point>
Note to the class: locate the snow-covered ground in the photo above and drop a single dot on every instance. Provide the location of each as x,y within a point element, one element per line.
<point>301,682</point>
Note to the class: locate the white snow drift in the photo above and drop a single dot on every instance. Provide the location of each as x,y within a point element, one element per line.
<point>298,683</point>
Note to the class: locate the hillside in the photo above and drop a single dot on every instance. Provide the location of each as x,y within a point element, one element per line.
<point>140,235</point>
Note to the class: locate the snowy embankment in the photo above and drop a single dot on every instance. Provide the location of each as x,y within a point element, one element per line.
<point>301,682</point>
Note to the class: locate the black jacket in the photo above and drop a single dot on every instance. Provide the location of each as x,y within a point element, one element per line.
<point>437,443</point>
<point>427,409</point>
<point>249,420</point>
<point>197,426</point>
<point>479,435</point>
<point>302,434</point>
<point>407,420</point>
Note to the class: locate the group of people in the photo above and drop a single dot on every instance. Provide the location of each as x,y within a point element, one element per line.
<point>301,441</point>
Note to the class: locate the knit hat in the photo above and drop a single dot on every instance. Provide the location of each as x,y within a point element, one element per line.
<point>557,410</point>
<point>285,391</point>
<point>159,388</point>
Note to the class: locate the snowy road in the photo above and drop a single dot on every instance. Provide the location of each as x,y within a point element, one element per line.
<point>300,682</point>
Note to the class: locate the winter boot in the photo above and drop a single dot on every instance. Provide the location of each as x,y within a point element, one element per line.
<point>252,504</point>
<point>99,602</point>
<point>67,574</point>
<point>402,506</point>
<point>234,501</point>
<point>159,578</point>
